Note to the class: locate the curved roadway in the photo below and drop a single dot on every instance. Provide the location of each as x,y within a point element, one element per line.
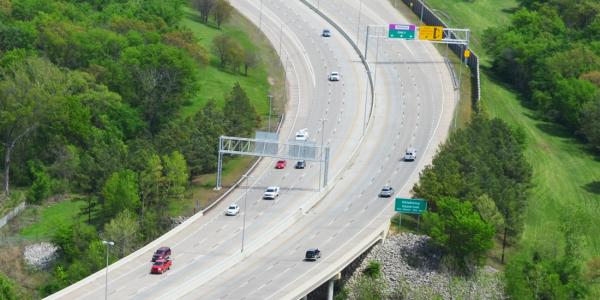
<point>413,106</point>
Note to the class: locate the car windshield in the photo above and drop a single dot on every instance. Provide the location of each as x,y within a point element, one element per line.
<point>385,189</point>
<point>160,251</point>
<point>159,263</point>
<point>232,207</point>
<point>270,190</point>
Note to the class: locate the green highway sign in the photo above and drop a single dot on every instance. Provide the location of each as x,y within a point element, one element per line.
<point>400,31</point>
<point>410,206</point>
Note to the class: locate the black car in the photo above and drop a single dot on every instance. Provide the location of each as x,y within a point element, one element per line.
<point>326,33</point>
<point>301,164</point>
<point>312,254</point>
<point>386,191</point>
<point>161,253</point>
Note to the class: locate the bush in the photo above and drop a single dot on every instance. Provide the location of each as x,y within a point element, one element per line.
<point>373,269</point>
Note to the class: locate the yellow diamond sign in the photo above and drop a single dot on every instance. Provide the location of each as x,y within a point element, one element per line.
<point>431,33</point>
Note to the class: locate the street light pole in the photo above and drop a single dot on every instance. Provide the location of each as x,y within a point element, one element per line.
<point>322,161</point>
<point>107,243</point>
<point>245,211</point>
<point>270,106</point>
<point>260,16</point>
<point>358,26</point>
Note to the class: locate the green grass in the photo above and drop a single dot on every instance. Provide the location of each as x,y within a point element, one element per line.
<point>266,78</point>
<point>48,218</point>
<point>566,175</point>
<point>214,81</point>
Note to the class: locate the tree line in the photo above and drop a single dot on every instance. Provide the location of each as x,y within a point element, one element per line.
<point>91,95</point>
<point>477,187</point>
<point>550,53</point>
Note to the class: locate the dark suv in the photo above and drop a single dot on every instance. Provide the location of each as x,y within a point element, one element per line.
<point>161,253</point>
<point>301,164</point>
<point>312,254</point>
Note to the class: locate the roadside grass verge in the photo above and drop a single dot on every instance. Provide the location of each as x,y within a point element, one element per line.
<point>566,175</point>
<point>267,77</point>
<point>216,82</point>
<point>45,219</point>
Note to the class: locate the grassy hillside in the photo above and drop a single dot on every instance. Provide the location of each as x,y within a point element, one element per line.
<point>566,175</point>
<point>215,81</point>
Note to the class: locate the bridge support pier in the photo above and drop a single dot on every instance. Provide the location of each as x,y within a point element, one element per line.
<point>330,289</point>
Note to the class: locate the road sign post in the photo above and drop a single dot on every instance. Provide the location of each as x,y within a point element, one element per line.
<point>400,31</point>
<point>410,206</point>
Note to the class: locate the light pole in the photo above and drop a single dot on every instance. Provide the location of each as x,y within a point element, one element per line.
<point>260,16</point>
<point>322,160</point>
<point>358,26</point>
<point>270,106</point>
<point>245,211</point>
<point>107,243</point>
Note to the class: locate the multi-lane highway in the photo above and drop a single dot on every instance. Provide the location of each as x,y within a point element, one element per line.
<point>413,105</point>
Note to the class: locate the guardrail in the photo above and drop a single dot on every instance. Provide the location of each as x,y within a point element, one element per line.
<point>430,18</point>
<point>11,214</point>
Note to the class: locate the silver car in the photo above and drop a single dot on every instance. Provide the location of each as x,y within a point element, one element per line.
<point>386,191</point>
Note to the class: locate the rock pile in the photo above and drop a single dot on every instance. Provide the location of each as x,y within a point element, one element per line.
<point>40,255</point>
<point>412,268</point>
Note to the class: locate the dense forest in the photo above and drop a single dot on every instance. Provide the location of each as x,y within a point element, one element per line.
<point>551,53</point>
<point>91,100</point>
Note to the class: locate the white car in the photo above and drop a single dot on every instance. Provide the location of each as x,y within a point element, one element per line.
<point>410,155</point>
<point>232,210</point>
<point>271,192</point>
<point>334,76</point>
<point>302,135</point>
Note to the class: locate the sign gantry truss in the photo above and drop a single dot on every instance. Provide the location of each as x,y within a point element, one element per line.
<point>266,145</point>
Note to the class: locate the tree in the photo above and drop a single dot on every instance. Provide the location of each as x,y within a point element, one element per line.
<point>120,192</point>
<point>204,7</point>
<point>241,117</point>
<point>221,45</point>
<point>250,61</point>
<point>158,80</point>
<point>590,123</point>
<point>175,175</point>
<point>488,211</point>
<point>485,158</point>
<point>124,230</point>
<point>151,181</point>
<point>28,90</point>
<point>42,184</point>
<point>459,230</point>
<point>222,11</point>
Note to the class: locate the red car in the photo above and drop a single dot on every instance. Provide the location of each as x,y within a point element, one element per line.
<point>280,164</point>
<point>160,266</point>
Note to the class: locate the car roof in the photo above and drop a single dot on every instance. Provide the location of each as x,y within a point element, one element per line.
<point>163,248</point>
<point>312,249</point>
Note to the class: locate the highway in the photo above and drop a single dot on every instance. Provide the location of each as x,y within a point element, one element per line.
<point>413,107</point>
